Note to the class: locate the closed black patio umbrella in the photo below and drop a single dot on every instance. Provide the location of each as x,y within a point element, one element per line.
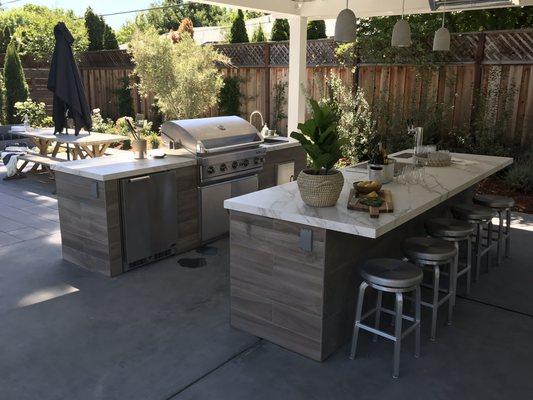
<point>65,81</point>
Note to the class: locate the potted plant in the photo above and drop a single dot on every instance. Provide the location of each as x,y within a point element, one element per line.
<point>321,185</point>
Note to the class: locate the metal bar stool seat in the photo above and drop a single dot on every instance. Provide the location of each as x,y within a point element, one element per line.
<point>433,254</point>
<point>390,276</point>
<point>480,217</point>
<point>455,231</point>
<point>502,205</point>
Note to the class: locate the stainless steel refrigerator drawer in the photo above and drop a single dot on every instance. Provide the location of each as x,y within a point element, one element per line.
<point>149,218</point>
<point>215,220</point>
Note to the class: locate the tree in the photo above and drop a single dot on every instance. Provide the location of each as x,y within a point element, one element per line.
<point>259,35</point>
<point>187,84</point>
<point>280,30</point>
<point>95,30</point>
<point>316,30</point>
<point>169,18</point>
<point>5,38</point>
<point>185,27</point>
<point>125,101</point>
<point>15,82</point>
<point>109,39</point>
<point>238,32</point>
<point>33,28</point>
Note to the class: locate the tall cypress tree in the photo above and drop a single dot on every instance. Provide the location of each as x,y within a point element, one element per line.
<point>259,35</point>
<point>280,30</point>
<point>5,38</point>
<point>95,30</point>
<point>110,39</point>
<point>238,32</point>
<point>15,82</point>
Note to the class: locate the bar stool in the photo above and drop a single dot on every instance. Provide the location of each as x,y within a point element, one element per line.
<point>390,276</point>
<point>502,205</point>
<point>455,231</point>
<point>432,254</point>
<point>480,217</point>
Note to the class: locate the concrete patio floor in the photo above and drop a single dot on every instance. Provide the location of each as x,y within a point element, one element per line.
<point>162,332</point>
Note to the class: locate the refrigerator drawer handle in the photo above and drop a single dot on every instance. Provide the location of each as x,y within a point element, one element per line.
<point>140,178</point>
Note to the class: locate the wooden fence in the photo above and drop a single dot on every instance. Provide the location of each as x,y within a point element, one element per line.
<point>497,65</point>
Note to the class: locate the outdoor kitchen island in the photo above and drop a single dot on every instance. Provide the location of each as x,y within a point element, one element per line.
<point>294,268</point>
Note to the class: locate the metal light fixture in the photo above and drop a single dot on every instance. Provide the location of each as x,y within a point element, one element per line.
<point>401,33</point>
<point>346,26</point>
<point>441,41</point>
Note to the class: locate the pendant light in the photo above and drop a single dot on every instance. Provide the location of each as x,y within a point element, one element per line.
<point>346,26</point>
<point>401,33</point>
<point>441,41</point>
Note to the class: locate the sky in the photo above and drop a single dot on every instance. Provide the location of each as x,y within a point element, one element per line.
<point>99,6</point>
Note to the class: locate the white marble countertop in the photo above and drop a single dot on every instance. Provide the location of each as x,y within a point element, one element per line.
<point>123,166</point>
<point>284,202</point>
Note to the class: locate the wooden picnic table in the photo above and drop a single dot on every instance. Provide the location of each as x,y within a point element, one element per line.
<point>84,145</point>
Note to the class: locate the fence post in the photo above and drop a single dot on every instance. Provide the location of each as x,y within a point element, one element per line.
<point>479,56</point>
<point>266,55</point>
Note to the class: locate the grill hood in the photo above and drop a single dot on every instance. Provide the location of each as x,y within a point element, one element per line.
<point>210,135</point>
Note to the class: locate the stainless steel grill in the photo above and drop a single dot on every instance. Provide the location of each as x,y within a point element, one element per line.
<point>227,147</point>
<point>229,158</point>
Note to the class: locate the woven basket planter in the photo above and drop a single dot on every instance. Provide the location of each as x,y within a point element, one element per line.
<point>320,190</point>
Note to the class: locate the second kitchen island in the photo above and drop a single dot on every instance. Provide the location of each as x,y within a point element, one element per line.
<point>294,268</point>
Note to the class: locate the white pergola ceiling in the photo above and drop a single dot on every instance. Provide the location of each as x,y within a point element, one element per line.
<point>363,8</point>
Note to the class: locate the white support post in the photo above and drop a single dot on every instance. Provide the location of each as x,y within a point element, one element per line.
<point>297,71</point>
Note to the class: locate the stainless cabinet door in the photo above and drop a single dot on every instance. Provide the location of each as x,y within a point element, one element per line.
<point>215,219</point>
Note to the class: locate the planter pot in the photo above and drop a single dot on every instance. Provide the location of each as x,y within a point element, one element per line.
<point>139,148</point>
<point>320,190</point>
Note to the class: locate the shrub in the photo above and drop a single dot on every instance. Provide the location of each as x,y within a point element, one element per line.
<point>5,38</point>
<point>125,101</point>
<point>35,111</point>
<point>229,101</point>
<point>316,30</point>
<point>33,27</point>
<point>280,102</point>
<point>238,32</point>
<point>101,124</point>
<point>154,140</point>
<point>15,82</point>
<point>186,26</point>
<point>259,35</point>
<point>109,39</point>
<point>280,30</point>
<point>520,175</point>
<point>187,84</point>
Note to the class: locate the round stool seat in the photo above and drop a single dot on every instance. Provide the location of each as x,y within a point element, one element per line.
<point>391,273</point>
<point>472,212</point>
<point>494,201</point>
<point>449,227</point>
<point>429,249</point>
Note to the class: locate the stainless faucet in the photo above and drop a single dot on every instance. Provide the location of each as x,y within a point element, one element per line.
<point>261,115</point>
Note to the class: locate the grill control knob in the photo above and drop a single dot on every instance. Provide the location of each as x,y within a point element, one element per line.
<point>211,170</point>
<point>235,164</point>
<point>223,167</point>
<point>245,163</point>
<point>256,160</point>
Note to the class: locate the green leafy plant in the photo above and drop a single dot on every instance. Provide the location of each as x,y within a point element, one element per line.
<point>187,84</point>
<point>15,82</point>
<point>316,30</point>
<point>229,102</point>
<point>154,140</point>
<point>280,30</point>
<point>101,124</point>
<point>520,175</point>
<point>238,32</point>
<point>319,137</point>
<point>259,35</point>
<point>36,112</point>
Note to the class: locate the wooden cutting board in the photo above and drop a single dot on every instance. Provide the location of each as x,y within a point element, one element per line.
<point>386,207</point>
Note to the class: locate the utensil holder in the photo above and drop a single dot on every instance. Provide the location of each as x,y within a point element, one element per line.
<point>383,173</point>
<point>139,148</point>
